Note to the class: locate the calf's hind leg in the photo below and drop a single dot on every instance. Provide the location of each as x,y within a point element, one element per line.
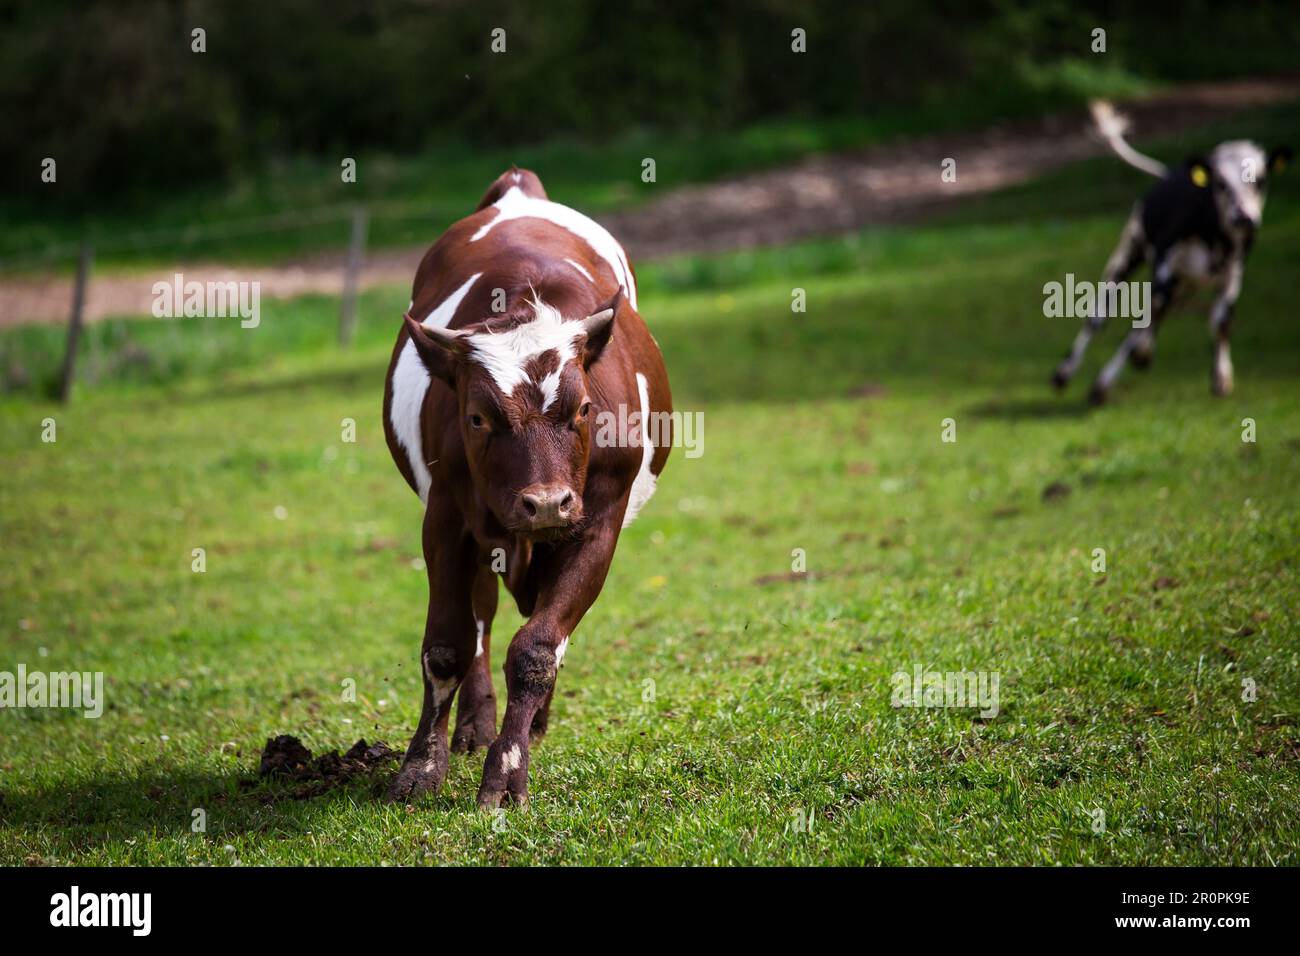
<point>476,712</point>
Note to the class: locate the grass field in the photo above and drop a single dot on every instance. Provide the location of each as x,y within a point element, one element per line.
<point>1120,692</point>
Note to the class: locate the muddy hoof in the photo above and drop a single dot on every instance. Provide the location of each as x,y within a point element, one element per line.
<point>1096,396</point>
<point>1140,360</point>
<point>492,800</point>
<point>413,781</point>
<point>472,736</point>
<point>1060,380</point>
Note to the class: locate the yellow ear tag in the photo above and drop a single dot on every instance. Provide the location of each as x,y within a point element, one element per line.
<point>1200,176</point>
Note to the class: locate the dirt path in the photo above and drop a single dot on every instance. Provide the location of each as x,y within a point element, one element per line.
<point>820,195</point>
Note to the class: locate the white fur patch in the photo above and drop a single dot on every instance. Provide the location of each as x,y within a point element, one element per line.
<point>644,485</point>
<point>504,354</point>
<point>560,650</point>
<point>442,688</point>
<point>1223,363</point>
<point>511,759</point>
<point>1189,259</point>
<point>1234,161</point>
<point>579,266</point>
<point>478,646</point>
<point>411,384</point>
<point>516,205</point>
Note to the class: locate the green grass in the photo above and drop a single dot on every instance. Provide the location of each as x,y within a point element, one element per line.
<point>770,699</point>
<point>121,350</point>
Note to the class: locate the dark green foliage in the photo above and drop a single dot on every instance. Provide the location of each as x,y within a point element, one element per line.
<point>115,93</point>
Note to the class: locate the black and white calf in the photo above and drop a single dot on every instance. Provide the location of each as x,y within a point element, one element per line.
<point>1195,226</point>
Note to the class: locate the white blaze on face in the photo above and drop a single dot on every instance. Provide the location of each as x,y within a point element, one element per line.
<point>411,384</point>
<point>516,205</point>
<point>1231,162</point>
<point>505,355</point>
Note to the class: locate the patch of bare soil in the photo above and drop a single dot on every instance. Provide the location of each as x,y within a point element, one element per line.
<point>286,759</point>
<point>1056,491</point>
<point>823,194</point>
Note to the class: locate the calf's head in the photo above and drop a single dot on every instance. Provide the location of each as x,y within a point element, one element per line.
<point>1236,173</point>
<point>524,409</point>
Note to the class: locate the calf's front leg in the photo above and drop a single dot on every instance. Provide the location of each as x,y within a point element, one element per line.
<point>571,577</point>
<point>1220,326</point>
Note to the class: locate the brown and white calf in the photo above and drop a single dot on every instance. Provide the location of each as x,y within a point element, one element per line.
<point>523,328</point>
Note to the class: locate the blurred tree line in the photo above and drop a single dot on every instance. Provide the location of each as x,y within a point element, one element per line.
<point>115,93</point>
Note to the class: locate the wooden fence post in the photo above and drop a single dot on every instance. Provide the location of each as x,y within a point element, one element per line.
<point>74,323</point>
<point>352,276</point>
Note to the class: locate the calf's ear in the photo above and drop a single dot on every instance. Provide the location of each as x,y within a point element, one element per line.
<point>438,348</point>
<point>1278,158</point>
<point>599,327</point>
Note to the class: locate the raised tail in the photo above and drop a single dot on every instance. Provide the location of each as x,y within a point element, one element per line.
<point>525,180</point>
<point>1112,125</point>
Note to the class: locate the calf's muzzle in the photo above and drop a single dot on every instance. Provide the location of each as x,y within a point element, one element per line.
<point>546,506</point>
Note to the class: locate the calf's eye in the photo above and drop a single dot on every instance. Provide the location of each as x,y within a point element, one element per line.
<point>476,421</point>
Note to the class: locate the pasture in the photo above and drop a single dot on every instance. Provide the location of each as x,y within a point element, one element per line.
<point>714,700</point>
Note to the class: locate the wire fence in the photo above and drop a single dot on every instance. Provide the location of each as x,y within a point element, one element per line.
<point>35,286</point>
<point>181,239</point>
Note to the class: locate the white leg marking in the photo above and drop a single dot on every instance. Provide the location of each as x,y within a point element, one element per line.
<point>478,647</point>
<point>442,688</point>
<point>511,759</point>
<point>411,383</point>
<point>1223,364</point>
<point>515,205</point>
<point>1110,371</point>
<point>644,485</point>
<point>559,652</point>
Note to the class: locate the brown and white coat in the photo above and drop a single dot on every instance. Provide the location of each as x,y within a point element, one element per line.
<point>523,328</point>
